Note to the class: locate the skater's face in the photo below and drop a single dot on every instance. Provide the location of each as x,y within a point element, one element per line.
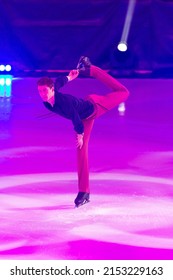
<point>46,92</point>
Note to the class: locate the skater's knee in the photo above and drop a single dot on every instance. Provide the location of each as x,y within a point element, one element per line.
<point>126,93</point>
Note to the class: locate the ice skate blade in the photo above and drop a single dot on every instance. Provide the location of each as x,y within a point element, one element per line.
<point>79,205</point>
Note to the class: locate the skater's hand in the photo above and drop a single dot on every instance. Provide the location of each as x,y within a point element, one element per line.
<point>79,142</point>
<point>73,74</point>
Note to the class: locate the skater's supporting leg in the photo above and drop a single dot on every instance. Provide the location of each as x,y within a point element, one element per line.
<point>82,158</point>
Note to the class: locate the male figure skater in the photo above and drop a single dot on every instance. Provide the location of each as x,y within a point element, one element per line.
<point>81,112</point>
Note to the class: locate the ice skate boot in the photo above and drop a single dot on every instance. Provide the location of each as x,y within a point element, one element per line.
<point>84,65</point>
<point>81,199</point>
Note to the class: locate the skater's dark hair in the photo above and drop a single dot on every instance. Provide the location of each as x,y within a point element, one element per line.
<point>45,81</point>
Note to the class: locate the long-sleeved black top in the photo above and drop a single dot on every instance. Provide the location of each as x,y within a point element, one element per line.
<point>69,106</point>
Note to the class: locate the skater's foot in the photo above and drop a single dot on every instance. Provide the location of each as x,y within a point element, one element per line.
<point>81,198</point>
<point>84,65</point>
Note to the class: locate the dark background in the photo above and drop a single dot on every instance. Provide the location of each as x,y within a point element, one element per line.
<point>52,34</point>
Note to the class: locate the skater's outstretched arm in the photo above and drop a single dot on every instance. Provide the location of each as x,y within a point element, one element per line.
<point>62,80</point>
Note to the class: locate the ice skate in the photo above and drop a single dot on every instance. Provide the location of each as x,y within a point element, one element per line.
<point>81,199</point>
<point>84,65</point>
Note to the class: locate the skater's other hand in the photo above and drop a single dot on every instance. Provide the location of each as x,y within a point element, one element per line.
<point>73,74</point>
<point>79,142</point>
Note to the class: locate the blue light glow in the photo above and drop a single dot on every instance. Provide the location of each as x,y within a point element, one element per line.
<point>8,81</point>
<point>5,85</point>
<point>2,81</point>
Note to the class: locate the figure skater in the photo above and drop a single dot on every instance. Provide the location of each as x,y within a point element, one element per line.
<point>82,112</point>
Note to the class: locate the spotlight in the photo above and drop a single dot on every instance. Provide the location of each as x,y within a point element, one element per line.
<point>2,67</point>
<point>121,108</point>
<point>122,47</point>
<point>8,67</point>
<point>5,68</point>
